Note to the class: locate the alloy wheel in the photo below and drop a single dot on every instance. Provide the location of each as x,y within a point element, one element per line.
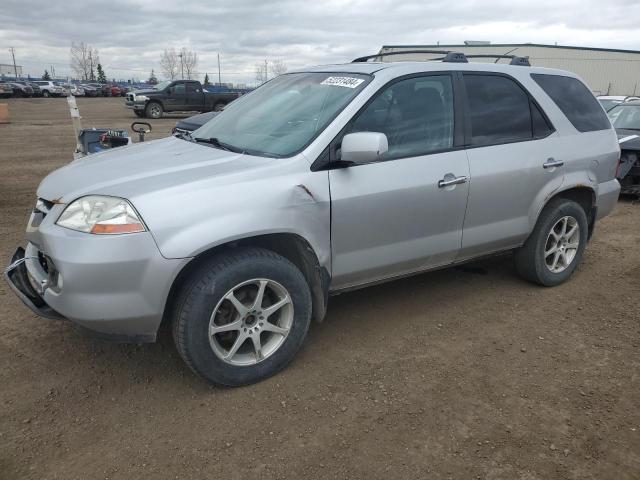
<point>562,244</point>
<point>251,322</point>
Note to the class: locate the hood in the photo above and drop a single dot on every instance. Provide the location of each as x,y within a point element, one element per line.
<point>195,122</point>
<point>146,167</point>
<point>631,139</point>
<point>146,92</point>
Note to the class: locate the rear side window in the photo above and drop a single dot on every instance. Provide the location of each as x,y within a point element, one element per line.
<point>498,109</point>
<point>575,100</point>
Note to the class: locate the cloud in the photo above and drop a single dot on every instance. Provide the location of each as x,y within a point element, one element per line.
<point>131,34</point>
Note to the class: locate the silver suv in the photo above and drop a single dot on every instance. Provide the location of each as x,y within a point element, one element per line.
<point>319,181</point>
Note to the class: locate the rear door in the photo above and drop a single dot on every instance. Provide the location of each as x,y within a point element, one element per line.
<point>395,216</point>
<point>511,146</point>
<point>194,96</point>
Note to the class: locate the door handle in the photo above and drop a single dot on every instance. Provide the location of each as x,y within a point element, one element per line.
<point>550,163</point>
<point>453,181</point>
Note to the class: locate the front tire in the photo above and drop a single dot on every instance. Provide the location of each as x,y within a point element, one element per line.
<point>218,107</point>
<point>555,247</point>
<point>45,93</point>
<point>241,316</point>
<point>153,110</point>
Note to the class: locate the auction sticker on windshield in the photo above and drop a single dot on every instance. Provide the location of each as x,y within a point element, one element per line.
<point>348,82</point>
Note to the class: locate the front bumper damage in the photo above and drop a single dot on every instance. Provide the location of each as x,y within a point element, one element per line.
<point>17,277</point>
<point>116,286</point>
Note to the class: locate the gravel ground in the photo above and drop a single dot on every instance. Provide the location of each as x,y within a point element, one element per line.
<point>461,373</point>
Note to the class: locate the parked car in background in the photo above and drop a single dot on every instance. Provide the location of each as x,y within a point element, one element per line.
<point>318,182</point>
<point>610,101</point>
<point>124,90</point>
<point>75,90</point>
<point>37,91</point>
<point>89,91</point>
<point>177,96</point>
<point>51,89</point>
<point>21,89</point>
<point>188,125</point>
<point>115,90</point>
<point>625,118</point>
<point>6,90</point>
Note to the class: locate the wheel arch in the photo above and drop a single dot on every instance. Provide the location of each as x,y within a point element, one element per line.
<point>291,246</point>
<point>583,195</point>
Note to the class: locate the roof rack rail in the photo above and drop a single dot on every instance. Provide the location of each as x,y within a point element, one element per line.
<point>386,54</point>
<point>515,60</point>
<point>450,56</point>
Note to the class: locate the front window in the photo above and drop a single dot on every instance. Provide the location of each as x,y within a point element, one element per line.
<point>608,104</point>
<point>625,117</point>
<point>284,115</point>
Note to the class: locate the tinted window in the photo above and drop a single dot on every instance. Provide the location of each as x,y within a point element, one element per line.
<point>415,114</point>
<point>179,88</point>
<point>575,100</point>
<point>541,127</point>
<point>192,88</point>
<point>498,110</point>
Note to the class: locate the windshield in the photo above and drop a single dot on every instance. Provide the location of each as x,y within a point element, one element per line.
<point>162,85</point>
<point>625,116</point>
<point>284,115</point>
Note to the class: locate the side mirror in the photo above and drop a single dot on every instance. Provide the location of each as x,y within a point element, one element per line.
<point>363,147</point>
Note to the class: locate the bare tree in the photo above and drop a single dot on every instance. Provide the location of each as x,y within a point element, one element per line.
<point>189,61</point>
<point>169,63</point>
<point>84,58</point>
<point>277,67</point>
<point>269,69</point>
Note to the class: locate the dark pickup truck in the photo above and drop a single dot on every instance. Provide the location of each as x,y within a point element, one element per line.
<point>177,96</point>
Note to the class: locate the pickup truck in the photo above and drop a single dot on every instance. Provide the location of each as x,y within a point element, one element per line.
<point>177,96</point>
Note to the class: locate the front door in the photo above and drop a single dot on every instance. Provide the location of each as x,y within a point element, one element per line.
<point>176,99</point>
<point>404,213</point>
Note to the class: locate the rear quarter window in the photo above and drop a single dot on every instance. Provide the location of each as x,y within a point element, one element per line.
<point>575,100</point>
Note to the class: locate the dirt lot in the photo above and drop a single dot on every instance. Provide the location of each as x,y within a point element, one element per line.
<point>462,373</point>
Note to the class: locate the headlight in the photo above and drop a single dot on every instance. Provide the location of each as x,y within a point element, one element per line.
<point>140,98</point>
<point>101,216</point>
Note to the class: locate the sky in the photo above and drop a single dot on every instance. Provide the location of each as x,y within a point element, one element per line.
<point>131,34</point>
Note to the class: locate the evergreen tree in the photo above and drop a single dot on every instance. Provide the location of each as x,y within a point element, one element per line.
<point>206,79</point>
<point>102,78</point>
<point>153,80</point>
<point>46,76</point>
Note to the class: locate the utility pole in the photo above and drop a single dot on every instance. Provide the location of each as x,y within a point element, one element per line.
<point>181,65</point>
<point>219,77</point>
<point>13,55</point>
<point>266,73</point>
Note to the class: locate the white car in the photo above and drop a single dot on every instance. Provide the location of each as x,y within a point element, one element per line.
<point>51,89</point>
<point>610,101</point>
<point>75,90</point>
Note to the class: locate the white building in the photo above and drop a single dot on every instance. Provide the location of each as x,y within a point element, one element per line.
<point>605,70</point>
<point>7,70</point>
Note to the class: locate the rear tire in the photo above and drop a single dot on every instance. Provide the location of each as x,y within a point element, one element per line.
<point>251,341</point>
<point>555,247</point>
<point>218,107</point>
<point>45,93</point>
<point>153,110</point>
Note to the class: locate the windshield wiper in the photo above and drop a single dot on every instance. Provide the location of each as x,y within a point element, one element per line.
<point>218,144</point>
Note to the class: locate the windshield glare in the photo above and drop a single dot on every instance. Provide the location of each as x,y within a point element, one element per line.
<point>284,115</point>
<point>625,116</point>
<point>162,85</point>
